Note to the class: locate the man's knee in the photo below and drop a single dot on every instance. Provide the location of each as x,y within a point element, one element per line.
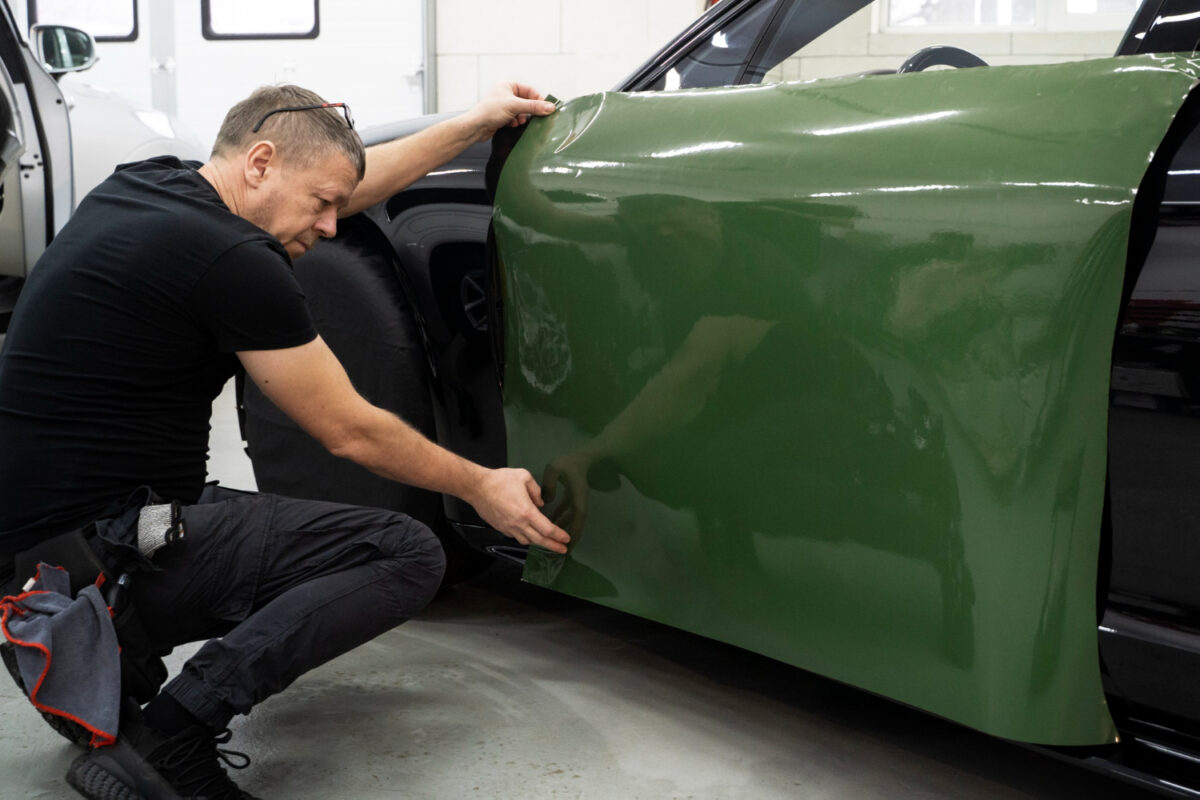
<point>419,558</point>
<point>432,558</point>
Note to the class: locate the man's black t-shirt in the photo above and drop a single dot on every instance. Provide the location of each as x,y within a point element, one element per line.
<point>124,333</point>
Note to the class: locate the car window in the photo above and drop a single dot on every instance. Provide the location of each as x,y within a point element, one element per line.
<point>780,59</point>
<point>759,44</point>
<point>719,59</point>
<point>800,25</point>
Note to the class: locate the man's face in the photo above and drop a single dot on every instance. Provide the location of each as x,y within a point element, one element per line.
<point>299,205</point>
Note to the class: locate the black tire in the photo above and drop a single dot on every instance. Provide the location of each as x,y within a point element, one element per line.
<point>362,313</point>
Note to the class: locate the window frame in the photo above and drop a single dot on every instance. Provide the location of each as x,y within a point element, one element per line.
<point>31,12</point>
<point>208,33</point>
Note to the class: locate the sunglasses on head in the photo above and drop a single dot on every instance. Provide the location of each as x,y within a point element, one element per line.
<point>345,110</point>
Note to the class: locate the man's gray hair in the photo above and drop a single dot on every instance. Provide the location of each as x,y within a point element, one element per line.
<point>303,137</point>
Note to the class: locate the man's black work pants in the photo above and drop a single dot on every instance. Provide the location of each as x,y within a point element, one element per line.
<point>286,584</point>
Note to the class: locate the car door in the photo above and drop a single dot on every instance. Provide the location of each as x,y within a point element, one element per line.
<point>38,191</point>
<point>12,144</point>
<point>820,369</point>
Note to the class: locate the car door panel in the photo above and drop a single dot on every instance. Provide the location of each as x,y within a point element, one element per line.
<point>832,360</point>
<point>38,195</point>
<point>12,143</point>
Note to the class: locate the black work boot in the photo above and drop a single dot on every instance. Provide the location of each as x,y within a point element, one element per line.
<point>121,771</point>
<point>146,764</point>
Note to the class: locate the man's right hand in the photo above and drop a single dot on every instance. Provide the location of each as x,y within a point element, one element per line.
<point>508,500</point>
<point>506,105</point>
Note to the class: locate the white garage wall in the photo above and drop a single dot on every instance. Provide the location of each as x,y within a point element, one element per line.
<point>564,47</point>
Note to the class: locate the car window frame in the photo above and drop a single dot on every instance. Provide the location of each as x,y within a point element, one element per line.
<point>766,37</point>
<point>1149,30</point>
<point>767,40</point>
<point>716,17</point>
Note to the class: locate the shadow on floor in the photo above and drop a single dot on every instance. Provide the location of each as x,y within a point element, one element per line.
<point>885,723</point>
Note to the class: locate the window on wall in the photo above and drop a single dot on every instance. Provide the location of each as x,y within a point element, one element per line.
<point>105,20</point>
<point>260,19</point>
<point>966,15</point>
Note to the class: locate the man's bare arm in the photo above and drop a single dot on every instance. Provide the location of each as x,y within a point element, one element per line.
<point>393,165</point>
<point>309,384</point>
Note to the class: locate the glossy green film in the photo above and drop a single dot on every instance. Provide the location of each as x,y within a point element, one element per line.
<point>821,369</point>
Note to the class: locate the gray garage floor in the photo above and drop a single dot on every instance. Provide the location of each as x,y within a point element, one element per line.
<point>504,690</point>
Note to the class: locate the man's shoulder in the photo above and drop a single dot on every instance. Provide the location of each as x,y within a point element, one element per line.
<point>164,173</point>
<point>159,164</point>
<point>172,205</point>
<point>162,179</point>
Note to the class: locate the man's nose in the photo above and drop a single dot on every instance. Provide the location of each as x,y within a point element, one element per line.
<point>326,224</point>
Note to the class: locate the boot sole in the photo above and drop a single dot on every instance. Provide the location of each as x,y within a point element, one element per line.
<point>100,775</point>
<point>96,783</point>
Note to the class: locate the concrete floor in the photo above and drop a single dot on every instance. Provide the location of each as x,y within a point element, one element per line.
<point>505,690</point>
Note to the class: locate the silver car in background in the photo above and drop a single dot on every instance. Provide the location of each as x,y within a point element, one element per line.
<point>58,142</point>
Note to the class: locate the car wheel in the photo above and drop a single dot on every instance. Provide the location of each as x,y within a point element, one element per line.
<point>362,313</point>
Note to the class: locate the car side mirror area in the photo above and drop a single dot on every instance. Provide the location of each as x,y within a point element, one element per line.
<point>63,49</point>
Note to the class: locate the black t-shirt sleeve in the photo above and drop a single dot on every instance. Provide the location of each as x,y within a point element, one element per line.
<point>250,300</point>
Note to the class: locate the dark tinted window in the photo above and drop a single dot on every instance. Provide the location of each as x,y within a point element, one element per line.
<point>719,59</point>
<point>795,28</point>
<point>747,47</point>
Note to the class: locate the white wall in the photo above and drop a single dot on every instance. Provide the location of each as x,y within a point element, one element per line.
<point>564,47</point>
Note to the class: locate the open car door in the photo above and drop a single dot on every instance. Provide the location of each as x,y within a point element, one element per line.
<point>821,369</point>
<point>12,145</point>
<point>37,182</point>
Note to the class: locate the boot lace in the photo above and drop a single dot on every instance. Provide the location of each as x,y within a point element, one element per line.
<point>191,763</point>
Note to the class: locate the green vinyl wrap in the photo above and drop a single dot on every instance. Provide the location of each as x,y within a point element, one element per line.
<point>821,369</point>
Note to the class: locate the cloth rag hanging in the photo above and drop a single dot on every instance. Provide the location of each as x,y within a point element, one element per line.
<point>66,651</point>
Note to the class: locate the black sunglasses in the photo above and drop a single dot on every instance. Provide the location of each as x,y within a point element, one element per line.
<point>345,110</point>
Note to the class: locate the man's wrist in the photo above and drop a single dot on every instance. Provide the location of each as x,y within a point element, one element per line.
<point>472,126</point>
<point>471,480</point>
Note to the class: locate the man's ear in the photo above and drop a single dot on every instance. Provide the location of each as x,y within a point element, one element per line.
<point>261,159</point>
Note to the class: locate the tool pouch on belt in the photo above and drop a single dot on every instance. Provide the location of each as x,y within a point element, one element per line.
<point>128,541</point>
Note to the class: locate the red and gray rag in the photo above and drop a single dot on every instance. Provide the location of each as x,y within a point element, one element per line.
<point>66,651</point>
